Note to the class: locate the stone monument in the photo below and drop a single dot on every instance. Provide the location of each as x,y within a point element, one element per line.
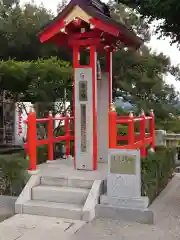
<point>123,198</point>
<point>124,179</point>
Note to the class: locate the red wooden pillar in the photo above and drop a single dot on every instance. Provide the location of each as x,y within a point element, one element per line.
<point>67,134</point>
<point>112,127</point>
<point>50,137</point>
<point>31,140</point>
<point>152,129</point>
<point>131,130</point>
<point>143,133</point>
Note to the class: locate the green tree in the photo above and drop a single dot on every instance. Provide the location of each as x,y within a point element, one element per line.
<point>36,81</point>
<point>18,33</point>
<point>167,11</point>
<point>140,75</point>
<point>48,79</point>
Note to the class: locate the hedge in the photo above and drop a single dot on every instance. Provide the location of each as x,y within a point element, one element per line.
<point>13,173</point>
<point>157,169</point>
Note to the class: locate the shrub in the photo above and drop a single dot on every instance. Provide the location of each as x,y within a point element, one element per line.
<point>42,154</point>
<point>157,168</point>
<point>13,174</point>
<point>42,151</point>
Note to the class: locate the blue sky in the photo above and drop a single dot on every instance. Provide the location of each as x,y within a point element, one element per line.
<point>155,44</point>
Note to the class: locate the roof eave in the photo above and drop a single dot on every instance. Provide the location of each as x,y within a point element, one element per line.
<point>136,41</point>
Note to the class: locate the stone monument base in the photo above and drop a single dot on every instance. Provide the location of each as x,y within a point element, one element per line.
<point>133,210</point>
<point>133,203</point>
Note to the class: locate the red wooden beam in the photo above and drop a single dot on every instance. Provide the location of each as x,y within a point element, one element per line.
<point>104,27</point>
<point>63,138</point>
<point>62,40</point>
<point>125,120</point>
<point>63,118</point>
<point>133,146</point>
<point>51,31</point>
<point>42,142</point>
<point>91,34</point>
<point>102,48</point>
<point>148,140</point>
<point>122,138</point>
<point>84,42</point>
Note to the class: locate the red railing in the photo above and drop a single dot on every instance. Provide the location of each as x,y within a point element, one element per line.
<point>32,141</point>
<point>134,141</point>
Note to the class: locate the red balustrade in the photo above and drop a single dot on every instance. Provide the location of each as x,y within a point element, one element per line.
<point>32,141</point>
<point>134,142</point>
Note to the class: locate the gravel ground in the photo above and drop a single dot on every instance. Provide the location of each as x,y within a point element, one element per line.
<point>166,227</point>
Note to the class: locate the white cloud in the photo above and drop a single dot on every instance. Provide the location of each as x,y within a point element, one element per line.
<point>163,45</point>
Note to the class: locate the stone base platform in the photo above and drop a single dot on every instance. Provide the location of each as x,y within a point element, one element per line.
<point>133,203</point>
<point>134,210</point>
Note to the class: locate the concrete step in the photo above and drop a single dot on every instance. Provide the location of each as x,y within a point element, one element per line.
<point>60,194</point>
<point>51,209</point>
<point>62,181</point>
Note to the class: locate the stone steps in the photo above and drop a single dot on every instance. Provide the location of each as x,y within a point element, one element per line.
<point>69,198</point>
<point>58,197</point>
<point>61,194</point>
<point>69,182</point>
<point>52,209</point>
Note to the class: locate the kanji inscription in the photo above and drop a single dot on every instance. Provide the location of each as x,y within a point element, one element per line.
<point>83,91</point>
<point>123,164</point>
<point>83,128</point>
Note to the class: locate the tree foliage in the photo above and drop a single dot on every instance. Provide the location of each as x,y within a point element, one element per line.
<point>140,75</point>
<point>167,11</point>
<point>19,27</point>
<point>36,81</point>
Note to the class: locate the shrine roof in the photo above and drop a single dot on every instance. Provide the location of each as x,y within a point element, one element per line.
<point>100,11</point>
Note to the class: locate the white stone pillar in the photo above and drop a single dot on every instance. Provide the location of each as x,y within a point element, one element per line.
<point>104,96</point>
<point>102,113</point>
<point>85,111</point>
<point>160,139</point>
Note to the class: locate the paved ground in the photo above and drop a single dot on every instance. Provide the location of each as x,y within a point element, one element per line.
<point>166,227</point>
<point>27,227</point>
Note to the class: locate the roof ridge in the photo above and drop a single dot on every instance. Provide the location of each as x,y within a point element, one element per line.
<point>100,6</point>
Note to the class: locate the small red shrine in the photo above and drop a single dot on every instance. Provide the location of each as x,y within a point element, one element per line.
<point>87,26</point>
